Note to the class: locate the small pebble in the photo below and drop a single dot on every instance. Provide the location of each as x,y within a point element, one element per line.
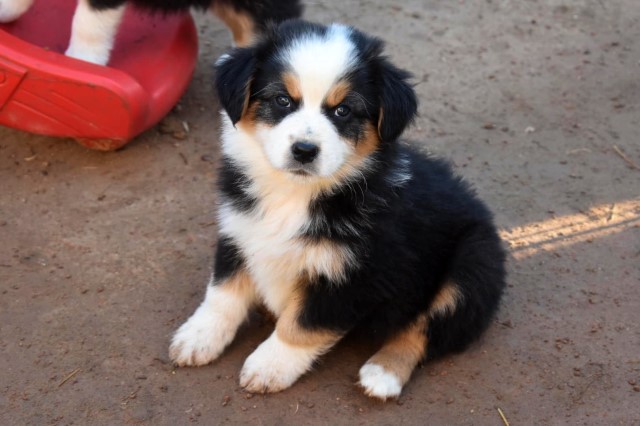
<point>226,400</point>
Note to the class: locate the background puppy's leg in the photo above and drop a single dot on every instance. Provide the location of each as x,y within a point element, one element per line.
<point>240,23</point>
<point>286,355</point>
<point>213,325</point>
<point>386,372</point>
<point>10,10</point>
<point>246,21</point>
<point>93,31</point>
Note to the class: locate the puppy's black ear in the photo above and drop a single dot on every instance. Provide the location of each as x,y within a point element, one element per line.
<point>234,71</point>
<point>398,102</point>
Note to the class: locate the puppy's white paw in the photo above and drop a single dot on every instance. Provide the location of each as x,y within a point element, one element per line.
<point>202,338</point>
<point>93,32</point>
<point>95,54</point>
<point>379,383</point>
<point>10,10</point>
<point>275,366</point>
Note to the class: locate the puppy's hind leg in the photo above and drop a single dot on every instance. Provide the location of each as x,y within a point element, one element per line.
<point>386,372</point>
<point>240,23</point>
<point>93,31</point>
<point>247,20</point>
<point>10,10</point>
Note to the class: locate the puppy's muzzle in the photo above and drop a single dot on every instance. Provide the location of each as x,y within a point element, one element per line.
<point>304,152</point>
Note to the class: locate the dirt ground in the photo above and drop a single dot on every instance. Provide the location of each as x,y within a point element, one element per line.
<point>103,255</point>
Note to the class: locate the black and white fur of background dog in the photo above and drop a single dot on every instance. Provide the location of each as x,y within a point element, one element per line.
<point>95,22</point>
<point>331,223</point>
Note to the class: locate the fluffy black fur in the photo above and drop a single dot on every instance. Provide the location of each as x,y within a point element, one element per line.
<point>262,11</point>
<point>410,241</point>
<point>413,224</point>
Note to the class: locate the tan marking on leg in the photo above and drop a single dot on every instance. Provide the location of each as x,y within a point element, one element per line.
<point>337,93</point>
<point>446,300</point>
<point>240,283</point>
<point>290,331</point>
<point>292,84</point>
<point>240,23</point>
<point>400,354</point>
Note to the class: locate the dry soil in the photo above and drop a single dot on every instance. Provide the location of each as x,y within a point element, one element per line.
<point>536,103</point>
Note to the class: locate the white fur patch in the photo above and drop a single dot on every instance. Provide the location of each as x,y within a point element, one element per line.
<point>379,383</point>
<point>318,61</point>
<point>93,33</point>
<point>275,256</point>
<point>265,240</point>
<point>10,10</point>
<point>276,365</point>
<point>211,328</point>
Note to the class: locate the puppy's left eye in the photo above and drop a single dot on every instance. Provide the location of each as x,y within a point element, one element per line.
<point>283,101</point>
<point>342,111</point>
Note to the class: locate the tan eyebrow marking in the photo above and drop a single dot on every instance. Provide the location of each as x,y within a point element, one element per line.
<point>292,84</point>
<point>337,93</point>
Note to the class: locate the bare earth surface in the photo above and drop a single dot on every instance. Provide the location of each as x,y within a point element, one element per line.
<point>103,255</point>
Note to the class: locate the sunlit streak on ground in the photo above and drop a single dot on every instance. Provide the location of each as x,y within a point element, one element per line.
<point>562,231</point>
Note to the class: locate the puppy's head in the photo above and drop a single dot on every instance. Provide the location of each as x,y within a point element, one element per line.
<point>318,100</point>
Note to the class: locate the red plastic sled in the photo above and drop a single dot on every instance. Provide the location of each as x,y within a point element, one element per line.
<point>42,91</point>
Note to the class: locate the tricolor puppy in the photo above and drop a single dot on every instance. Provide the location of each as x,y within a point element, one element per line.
<point>95,22</point>
<point>331,223</point>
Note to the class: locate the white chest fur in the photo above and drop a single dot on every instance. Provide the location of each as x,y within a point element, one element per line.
<point>275,256</point>
<point>269,235</point>
<point>268,243</point>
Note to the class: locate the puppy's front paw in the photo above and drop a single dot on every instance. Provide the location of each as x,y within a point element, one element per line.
<point>10,10</point>
<point>201,339</point>
<point>95,54</point>
<point>274,366</point>
<point>379,383</point>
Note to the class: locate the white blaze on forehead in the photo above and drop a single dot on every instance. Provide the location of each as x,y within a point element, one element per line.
<point>319,60</point>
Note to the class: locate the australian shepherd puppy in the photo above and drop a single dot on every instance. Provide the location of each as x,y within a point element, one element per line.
<point>331,223</point>
<point>95,22</point>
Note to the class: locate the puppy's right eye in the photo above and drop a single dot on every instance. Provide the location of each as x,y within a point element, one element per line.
<point>283,101</point>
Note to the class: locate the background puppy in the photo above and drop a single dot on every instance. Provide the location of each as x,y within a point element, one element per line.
<point>332,224</point>
<point>95,22</point>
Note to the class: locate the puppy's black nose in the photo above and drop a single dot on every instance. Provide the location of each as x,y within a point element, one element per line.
<point>304,152</point>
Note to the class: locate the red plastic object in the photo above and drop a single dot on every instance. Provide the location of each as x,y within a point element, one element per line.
<point>42,91</point>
